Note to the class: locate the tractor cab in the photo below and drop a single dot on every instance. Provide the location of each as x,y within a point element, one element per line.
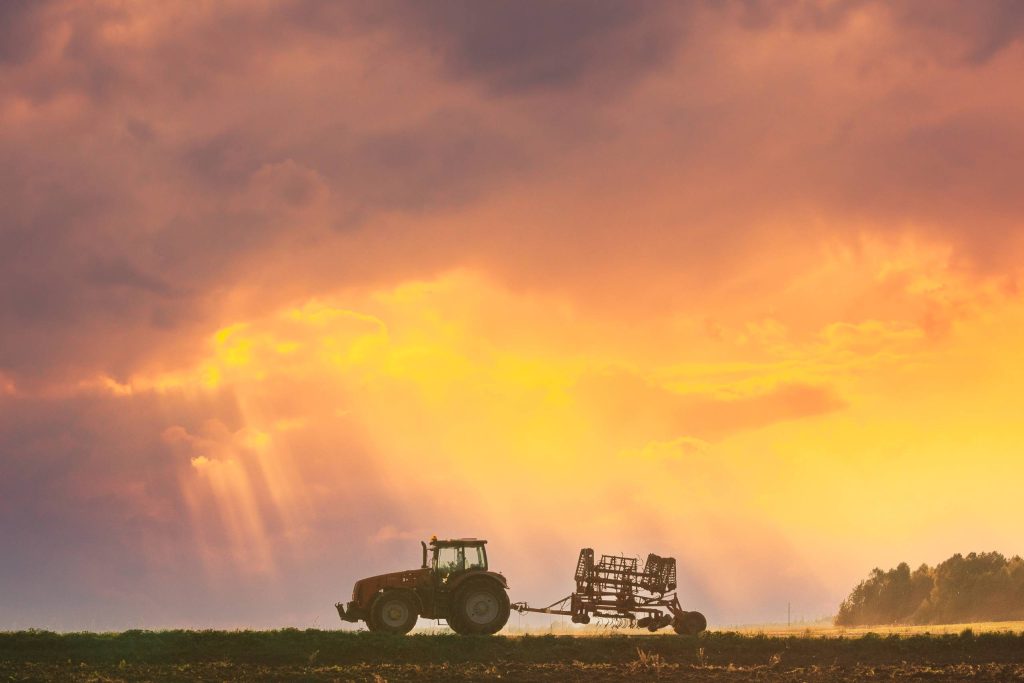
<point>449,558</point>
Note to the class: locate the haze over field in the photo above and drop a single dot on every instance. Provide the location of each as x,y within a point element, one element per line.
<point>286,287</point>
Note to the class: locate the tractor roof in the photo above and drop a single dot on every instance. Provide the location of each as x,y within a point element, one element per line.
<point>456,541</point>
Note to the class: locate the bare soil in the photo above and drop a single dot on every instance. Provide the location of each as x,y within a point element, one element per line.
<point>292,655</point>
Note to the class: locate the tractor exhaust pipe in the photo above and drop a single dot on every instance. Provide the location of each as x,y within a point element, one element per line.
<point>423,543</point>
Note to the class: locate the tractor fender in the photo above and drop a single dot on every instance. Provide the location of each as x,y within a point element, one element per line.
<point>366,590</point>
<point>469,576</point>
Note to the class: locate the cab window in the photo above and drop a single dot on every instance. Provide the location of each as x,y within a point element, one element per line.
<point>475,558</point>
<point>449,560</point>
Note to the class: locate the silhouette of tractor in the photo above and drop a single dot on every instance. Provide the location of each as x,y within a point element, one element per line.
<point>455,585</point>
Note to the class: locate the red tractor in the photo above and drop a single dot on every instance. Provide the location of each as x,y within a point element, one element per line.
<point>455,584</point>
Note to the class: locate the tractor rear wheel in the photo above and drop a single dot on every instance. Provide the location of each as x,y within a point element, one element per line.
<point>689,623</point>
<point>394,611</point>
<point>480,607</point>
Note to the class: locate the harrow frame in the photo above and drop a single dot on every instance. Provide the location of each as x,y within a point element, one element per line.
<point>617,587</point>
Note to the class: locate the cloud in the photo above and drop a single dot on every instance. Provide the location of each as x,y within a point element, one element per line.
<point>476,138</point>
<point>21,31</point>
<point>120,273</point>
<point>525,47</point>
<point>644,411</point>
<point>973,34</point>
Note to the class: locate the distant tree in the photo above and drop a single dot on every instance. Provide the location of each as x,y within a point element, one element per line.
<point>976,587</point>
<point>885,597</point>
<point>922,583</point>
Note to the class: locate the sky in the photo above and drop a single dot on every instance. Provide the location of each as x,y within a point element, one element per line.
<point>286,287</point>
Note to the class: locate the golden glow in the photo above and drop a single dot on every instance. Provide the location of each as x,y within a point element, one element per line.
<point>784,435</point>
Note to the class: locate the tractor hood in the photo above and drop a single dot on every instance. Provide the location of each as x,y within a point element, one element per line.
<point>365,589</point>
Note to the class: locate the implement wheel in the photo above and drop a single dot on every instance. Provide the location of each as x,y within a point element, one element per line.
<point>689,623</point>
<point>394,611</point>
<point>480,607</point>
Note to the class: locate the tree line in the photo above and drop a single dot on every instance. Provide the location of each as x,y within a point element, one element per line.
<point>963,589</point>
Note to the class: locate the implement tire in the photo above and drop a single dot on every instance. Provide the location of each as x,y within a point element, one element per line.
<point>394,611</point>
<point>690,623</point>
<point>480,607</point>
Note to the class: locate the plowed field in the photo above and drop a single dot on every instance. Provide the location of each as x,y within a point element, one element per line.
<point>292,655</point>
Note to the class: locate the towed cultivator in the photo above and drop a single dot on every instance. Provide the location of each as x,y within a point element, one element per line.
<point>616,588</point>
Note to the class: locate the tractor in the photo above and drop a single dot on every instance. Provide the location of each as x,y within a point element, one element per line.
<point>454,583</point>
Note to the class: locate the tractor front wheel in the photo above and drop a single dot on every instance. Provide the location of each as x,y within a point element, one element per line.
<point>480,607</point>
<point>394,611</point>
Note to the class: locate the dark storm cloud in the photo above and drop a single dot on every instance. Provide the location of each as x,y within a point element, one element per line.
<point>73,282</point>
<point>513,46</point>
<point>445,160</point>
<point>45,243</point>
<point>121,273</point>
<point>954,166</point>
<point>22,23</point>
<point>225,158</point>
<point>974,32</point>
<point>164,162</point>
<point>94,271</point>
<point>801,14</point>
